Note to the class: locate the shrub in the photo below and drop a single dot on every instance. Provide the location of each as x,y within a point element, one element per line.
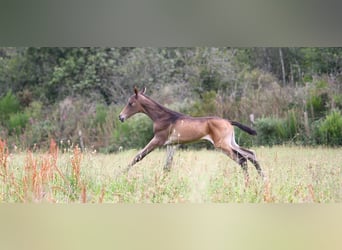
<point>273,131</point>
<point>17,122</point>
<point>318,99</point>
<point>317,104</point>
<point>134,133</point>
<point>100,115</point>
<point>337,98</point>
<point>329,130</point>
<point>9,104</point>
<point>206,105</point>
<point>292,127</point>
<point>270,131</point>
<point>34,110</point>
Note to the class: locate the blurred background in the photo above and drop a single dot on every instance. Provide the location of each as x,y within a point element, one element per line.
<point>290,95</point>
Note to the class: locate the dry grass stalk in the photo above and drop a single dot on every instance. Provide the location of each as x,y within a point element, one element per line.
<point>268,197</point>
<point>46,170</point>
<point>3,159</point>
<point>84,194</point>
<point>311,193</point>
<point>76,164</point>
<point>32,187</point>
<point>103,191</point>
<point>39,175</point>
<point>53,152</point>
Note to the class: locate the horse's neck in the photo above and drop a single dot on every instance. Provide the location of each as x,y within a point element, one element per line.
<point>156,111</point>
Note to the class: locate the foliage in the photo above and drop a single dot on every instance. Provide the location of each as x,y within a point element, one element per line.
<point>329,130</point>
<point>270,131</point>
<point>300,64</point>
<point>274,131</point>
<point>322,60</point>
<point>9,104</point>
<point>10,115</point>
<point>134,133</point>
<point>292,125</point>
<point>100,115</point>
<point>59,92</point>
<point>337,101</point>
<point>206,105</point>
<point>318,99</point>
<point>17,123</point>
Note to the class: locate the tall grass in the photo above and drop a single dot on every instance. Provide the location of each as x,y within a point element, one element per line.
<point>37,177</point>
<point>293,175</point>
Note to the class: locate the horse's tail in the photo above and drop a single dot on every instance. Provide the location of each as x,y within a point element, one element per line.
<point>244,128</point>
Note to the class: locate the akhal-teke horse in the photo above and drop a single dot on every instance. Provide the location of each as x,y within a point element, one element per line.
<point>171,127</point>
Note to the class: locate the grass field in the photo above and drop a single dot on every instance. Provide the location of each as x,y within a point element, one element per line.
<point>294,175</point>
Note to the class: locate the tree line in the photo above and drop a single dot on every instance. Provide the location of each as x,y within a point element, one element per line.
<point>290,95</point>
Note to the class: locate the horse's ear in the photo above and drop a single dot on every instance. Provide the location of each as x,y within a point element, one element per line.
<point>136,92</point>
<point>143,90</point>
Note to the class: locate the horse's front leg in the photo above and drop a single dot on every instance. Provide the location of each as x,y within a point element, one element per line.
<point>154,143</point>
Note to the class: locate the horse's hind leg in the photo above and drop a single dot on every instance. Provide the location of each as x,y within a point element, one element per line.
<point>242,161</point>
<point>238,158</point>
<point>252,158</point>
<point>257,166</point>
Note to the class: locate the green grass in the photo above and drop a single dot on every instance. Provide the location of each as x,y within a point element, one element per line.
<point>294,175</point>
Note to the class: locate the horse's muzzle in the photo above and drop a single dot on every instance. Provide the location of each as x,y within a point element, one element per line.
<point>121,118</point>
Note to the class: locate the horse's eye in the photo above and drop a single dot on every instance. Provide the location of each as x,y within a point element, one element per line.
<point>130,104</point>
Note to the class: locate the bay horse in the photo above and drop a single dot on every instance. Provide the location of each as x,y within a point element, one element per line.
<point>171,127</point>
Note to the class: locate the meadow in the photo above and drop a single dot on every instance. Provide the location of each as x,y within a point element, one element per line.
<point>293,175</point>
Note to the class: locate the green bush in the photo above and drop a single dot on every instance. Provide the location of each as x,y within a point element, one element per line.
<point>133,133</point>
<point>273,131</point>
<point>329,130</point>
<point>317,104</point>
<point>318,99</point>
<point>10,117</point>
<point>17,122</point>
<point>100,116</point>
<point>38,128</point>
<point>292,127</point>
<point>210,80</point>
<point>9,104</point>
<point>337,98</point>
<point>270,131</point>
<point>206,105</point>
<point>34,110</point>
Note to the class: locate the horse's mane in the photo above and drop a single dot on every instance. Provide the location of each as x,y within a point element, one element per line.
<point>158,111</point>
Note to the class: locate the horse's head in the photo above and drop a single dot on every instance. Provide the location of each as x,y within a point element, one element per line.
<point>133,106</point>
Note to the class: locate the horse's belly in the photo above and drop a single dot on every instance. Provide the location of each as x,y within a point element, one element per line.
<point>187,131</point>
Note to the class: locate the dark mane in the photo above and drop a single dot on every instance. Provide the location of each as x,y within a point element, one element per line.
<point>159,112</point>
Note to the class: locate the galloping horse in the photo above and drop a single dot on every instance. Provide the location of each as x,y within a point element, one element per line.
<point>171,127</point>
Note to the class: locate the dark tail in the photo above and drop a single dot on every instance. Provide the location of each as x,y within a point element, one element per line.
<point>244,128</point>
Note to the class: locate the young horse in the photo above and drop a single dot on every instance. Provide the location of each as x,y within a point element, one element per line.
<point>171,127</point>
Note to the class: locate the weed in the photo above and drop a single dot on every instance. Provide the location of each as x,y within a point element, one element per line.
<point>293,175</point>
